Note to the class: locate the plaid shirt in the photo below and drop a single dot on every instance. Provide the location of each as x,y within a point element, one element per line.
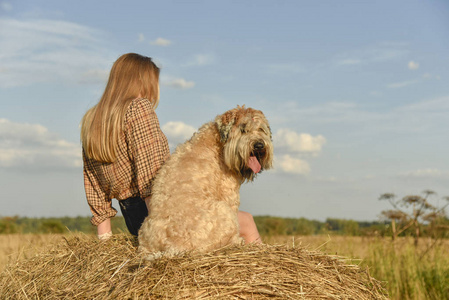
<point>142,150</point>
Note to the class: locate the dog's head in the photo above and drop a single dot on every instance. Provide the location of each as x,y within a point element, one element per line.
<point>246,138</point>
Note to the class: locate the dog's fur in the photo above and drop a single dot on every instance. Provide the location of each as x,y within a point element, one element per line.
<point>195,196</point>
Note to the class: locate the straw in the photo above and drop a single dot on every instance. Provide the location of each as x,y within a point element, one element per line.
<point>81,267</point>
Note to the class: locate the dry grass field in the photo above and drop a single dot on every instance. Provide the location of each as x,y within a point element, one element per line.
<point>408,273</point>
<point>22,246</point>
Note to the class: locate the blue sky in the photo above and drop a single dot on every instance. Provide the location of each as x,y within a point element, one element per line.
<point>356,93</point>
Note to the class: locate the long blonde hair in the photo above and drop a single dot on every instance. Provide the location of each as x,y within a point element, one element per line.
<point>131,76</point>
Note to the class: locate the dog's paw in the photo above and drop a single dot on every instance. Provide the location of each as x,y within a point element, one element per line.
<point>154,256</point>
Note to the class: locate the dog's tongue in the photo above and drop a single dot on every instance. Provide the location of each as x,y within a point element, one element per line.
<point>253,163</point>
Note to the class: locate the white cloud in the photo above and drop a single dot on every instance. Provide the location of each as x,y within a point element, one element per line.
<point>291,141</point>
<point>201,60</point>
<point>413,65</point>
<point>95,76</point>
<point>430,76</point>
<point>338,113</point>
<point>401,84</point>
<point>290,146</point>
<point>141,37</point>
<point>177,132</point>
<point>374,54</point>
<point>33,147</point>
<point>436,105</point>
<point>179,83</point>
<point>292,165</point>
<point>349,61</point>
<point>425,173</point>
<point>204,59</point>
<point>161,42</point>
<point>178,129</point>
<point>40,51</point>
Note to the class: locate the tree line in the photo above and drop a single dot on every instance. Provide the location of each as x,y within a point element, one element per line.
<point>267,225</point>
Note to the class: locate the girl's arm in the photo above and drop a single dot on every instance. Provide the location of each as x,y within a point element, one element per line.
<point>104,229</point>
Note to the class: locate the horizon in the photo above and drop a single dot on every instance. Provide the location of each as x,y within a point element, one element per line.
<point>255,216</point>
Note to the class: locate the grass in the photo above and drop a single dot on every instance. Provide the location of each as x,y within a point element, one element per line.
<point>409,273</point>
<point>421,273</point>
<point>23,246</point>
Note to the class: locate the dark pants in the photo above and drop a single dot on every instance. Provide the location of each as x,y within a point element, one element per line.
<point>134,210</point>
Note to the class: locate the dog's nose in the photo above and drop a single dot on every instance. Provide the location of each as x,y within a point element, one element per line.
<point>259,146</point>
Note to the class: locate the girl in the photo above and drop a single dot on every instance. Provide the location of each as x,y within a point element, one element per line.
<point>124,147</point>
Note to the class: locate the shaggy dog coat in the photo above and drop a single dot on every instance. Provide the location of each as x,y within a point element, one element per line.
<point>195,196</point>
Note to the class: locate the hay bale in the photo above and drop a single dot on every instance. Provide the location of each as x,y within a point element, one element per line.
<point>81,267</point>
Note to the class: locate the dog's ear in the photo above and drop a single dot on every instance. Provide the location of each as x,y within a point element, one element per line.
<point>224,124</point>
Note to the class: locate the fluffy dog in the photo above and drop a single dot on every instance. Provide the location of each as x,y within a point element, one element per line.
<point>195,196</point>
